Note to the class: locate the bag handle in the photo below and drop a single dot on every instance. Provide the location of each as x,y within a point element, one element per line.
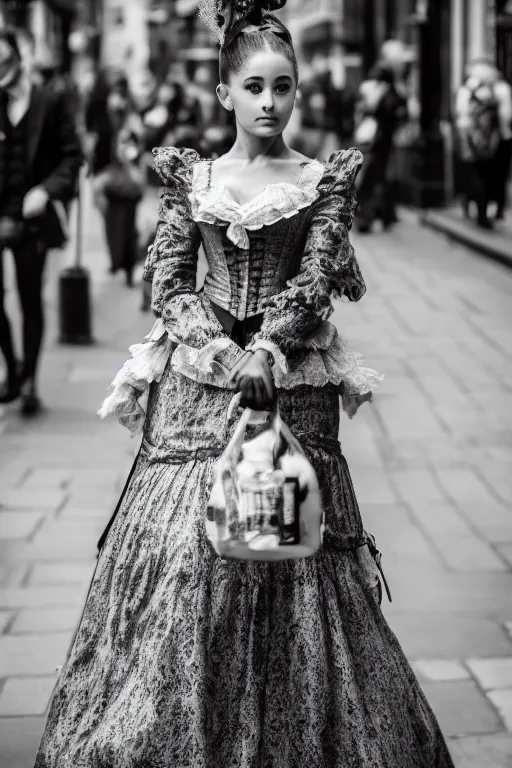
<point>234,446</point>
<point>284,437</point>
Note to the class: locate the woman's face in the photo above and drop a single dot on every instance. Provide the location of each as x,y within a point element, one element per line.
<point>263,93</point>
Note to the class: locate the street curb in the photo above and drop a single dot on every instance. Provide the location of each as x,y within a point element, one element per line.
<point>484,242</point>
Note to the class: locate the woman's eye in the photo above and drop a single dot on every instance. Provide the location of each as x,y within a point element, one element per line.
<point>283,88</point>
<point>254,88</point>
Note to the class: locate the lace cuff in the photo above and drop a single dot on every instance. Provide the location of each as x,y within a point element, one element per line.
<point>211,364</point>
<point>147,364</point>
<point>327,359</point>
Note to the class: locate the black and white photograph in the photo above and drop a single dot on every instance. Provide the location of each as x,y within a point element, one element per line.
<point>255,384</point>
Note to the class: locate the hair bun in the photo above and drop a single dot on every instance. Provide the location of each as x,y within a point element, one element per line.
<point>227,18</point>
<point>263,5</point>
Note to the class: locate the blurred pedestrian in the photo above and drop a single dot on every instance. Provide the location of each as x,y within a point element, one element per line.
<point>503,159</point>
<point>186,110</point>
<point>314,138</point>
<point>40,157</point>
<point>380,110</point>
<point>400,57</point>
<point>116,163</point>
<point>202,89</point>
<point>97,123</point>
<point>173,116</point>
<point>478,136</point>
<point>171,111</point>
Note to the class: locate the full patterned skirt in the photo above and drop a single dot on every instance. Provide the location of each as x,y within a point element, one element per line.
<point>183,659</point>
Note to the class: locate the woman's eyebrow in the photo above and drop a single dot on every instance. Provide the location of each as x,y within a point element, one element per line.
<point>261,79</point>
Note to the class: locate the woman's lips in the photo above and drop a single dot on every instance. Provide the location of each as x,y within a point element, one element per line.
<point>268,119</point>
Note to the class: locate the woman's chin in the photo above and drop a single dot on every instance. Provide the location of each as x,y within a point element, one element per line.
<point>266,129</point>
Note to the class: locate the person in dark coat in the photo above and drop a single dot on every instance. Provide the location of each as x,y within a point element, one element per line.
<point>116,163</point>
<point>40,158</point>
<point>382,109</point>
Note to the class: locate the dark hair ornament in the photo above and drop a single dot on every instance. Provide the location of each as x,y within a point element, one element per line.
<point>228,19</point>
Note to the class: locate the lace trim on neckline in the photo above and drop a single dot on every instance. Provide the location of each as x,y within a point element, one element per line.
<point>213,204</point>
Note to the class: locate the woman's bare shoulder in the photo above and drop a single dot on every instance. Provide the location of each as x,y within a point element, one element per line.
<point>300,157</point>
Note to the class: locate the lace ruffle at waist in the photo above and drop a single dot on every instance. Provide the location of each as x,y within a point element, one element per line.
<point>329,360</point>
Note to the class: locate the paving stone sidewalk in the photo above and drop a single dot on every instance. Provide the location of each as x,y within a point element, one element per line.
<point>495,243</point>
<point>431,461</point>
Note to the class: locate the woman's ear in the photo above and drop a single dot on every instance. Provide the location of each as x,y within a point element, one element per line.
<point>224,97</point>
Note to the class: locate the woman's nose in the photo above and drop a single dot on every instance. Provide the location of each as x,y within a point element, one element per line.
<point>268,100</point>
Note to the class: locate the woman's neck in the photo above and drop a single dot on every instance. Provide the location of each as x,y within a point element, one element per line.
<point>249,147</point>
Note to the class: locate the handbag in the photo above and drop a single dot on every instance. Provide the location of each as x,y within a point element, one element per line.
<point>265,499</point>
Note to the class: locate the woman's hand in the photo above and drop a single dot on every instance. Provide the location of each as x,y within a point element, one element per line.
<point>254,380</point>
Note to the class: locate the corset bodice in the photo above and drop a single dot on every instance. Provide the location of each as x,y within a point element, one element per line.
<point>240,280</point>
<point>252,249</point>
<point>275,264</point>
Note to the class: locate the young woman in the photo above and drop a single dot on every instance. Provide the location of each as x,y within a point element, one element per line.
<point>183,658</point>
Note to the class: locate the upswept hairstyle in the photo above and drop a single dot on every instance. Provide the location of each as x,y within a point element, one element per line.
<point>244,27</point>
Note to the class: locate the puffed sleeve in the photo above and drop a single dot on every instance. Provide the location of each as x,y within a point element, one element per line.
<point>328,267</point>
<point>171,263</point>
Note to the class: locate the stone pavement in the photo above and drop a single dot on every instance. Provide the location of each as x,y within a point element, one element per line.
<point>431,461</point>
<point>496,244</point>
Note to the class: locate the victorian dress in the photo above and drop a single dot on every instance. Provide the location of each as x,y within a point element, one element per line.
<point>184,659</point>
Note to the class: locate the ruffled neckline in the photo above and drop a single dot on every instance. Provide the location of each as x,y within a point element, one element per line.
<point>213,203</point>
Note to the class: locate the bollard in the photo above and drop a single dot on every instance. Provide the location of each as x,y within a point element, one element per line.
<point>74,292</point>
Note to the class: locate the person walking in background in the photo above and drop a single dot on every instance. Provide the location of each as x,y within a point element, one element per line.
<point>173,115</point>
<point>400,57</point>
<point>97,126</point>
<point>380,110</point>
<point>176,120</point>
<point>40,157</point>
<point>116,163</point>
<point>201,91</point>
<point>501,173</point>
<point>477,120</point>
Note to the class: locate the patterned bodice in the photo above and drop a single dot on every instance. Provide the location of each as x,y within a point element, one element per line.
<point>240,279</point>
<point>283,254</point>
<point>247,266</point>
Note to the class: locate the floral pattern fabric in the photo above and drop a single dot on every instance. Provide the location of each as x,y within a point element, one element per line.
<point>185,659</point>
